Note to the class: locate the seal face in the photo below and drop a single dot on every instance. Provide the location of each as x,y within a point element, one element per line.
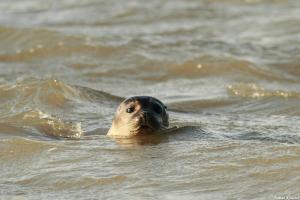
<point>139,115</point>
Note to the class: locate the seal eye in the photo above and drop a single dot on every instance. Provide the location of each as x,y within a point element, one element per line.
<point>157,109</point>
<point>130,110</point>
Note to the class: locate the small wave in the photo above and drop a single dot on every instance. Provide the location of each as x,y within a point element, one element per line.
<point>199,105</point>
<point>41,52</point>
<point>291,69</point>
<point>26,45</point>
<point>251,90</point>
<point>50,92</point>
<point>31,106</point>
<point>45,124</point>
<point>46,92</point>
<point>288,139</point>
<point>75,183</point>
<point>222,66</point>
<point>96,95</point>
<point>150,69</point>
<point>18,149</point>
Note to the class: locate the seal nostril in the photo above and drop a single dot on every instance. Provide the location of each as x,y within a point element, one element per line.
<point>157,108</point>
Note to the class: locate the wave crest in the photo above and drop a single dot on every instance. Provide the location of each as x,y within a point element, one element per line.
<point>251,90</point>
<point>34,104</point>
<point>44,123</point>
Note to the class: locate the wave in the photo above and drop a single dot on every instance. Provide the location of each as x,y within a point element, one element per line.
<point>200,105</point>
<point>26,45</point>
<point>287,138</point>
<point>50,92</point>
<point>244,98</point>
<point>206,66</point>
<point>36,120</point>
<point>33,105</point>
<point>251,90</point>
<point>23,45</point>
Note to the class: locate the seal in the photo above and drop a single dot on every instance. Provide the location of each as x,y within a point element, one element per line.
<point>139,115</point>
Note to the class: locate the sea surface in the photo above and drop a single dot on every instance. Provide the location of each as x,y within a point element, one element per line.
<point>228,70</point>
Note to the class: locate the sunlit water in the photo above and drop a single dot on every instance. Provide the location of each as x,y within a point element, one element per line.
<point>228,70</point>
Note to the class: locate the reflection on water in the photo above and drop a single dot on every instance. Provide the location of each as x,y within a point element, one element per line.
<point>228,71</point>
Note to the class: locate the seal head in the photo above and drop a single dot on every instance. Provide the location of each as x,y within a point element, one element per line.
<point>139,115</point>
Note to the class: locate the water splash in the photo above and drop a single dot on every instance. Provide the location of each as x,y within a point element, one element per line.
<point>45,124</point>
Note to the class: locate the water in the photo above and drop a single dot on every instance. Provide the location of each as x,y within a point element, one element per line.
<point>229,72</point>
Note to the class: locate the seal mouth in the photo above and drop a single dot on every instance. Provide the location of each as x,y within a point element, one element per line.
<point>144,127</point>
<point>147,127</point>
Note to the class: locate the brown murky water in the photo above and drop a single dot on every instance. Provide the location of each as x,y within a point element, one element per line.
<point>229,71</point>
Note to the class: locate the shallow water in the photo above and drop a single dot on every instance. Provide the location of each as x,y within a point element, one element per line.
<point>229,72</point>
